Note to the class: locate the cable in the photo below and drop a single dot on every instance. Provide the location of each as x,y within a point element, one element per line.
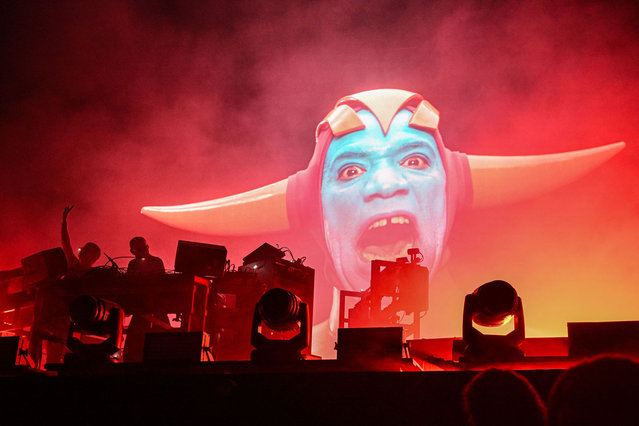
<point>286,250</point>
<point>112,259</point>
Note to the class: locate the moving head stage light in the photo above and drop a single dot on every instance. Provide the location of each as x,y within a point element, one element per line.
<point>94,316</point>
<point>233,297</point>
<point>492,305</point>
<point>279,315</point>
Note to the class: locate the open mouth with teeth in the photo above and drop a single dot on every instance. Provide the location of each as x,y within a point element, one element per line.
<point>387,238</point>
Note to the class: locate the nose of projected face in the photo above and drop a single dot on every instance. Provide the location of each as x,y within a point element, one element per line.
<point>385,180</point>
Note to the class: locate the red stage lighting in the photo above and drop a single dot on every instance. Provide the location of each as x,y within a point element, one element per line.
<point>94,316</point>
<point>278,314</point>
<point>280,309</point>
<point>492,305</point>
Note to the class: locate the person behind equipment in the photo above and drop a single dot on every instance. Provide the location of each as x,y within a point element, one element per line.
<point>144,263</point>
<point>51,310</point>
<point>89,253</point>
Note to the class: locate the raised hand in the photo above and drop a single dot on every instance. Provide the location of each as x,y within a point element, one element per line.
<point>67,209</point>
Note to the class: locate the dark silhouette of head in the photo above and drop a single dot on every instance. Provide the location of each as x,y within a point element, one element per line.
<point>89,254</point>
<point>601,391</point>
<point>500,398</point>
<point>139,247</point>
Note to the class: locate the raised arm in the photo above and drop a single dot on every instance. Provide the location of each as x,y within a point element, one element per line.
<point>72,259</point>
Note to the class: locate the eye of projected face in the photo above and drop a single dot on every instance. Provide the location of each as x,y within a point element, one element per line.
<point>415,162</point>
<point>350,172</point>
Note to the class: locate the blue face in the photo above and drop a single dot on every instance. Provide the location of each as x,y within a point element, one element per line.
<point>381,195</point>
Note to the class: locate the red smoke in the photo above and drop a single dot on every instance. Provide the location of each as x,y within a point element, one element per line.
<point>165,102</point>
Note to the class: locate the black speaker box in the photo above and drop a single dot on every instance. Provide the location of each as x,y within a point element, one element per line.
<point>176,346</point>
<point>587,339</point>
<point>202,259</point>
<point>9,351</point>
<point>374,343</point>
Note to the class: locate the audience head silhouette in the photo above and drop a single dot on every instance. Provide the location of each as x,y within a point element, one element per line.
<point>602,391</point>
<point>502,398</point>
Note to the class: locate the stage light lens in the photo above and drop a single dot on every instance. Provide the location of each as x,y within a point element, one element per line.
<point>87,310</point>
<point>497,304</point>
<point>279,309</point>
<point>90,313</point>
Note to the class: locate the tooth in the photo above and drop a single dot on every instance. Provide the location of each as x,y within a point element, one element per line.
<point>380,223</point>
<point>400,220</point>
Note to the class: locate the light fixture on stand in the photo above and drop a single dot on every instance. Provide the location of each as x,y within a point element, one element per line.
<point>492,305</point>
<point>280,327</point>
<point>99,317</point>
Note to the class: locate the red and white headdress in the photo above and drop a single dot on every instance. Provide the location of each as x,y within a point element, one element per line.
<point>472,180</point>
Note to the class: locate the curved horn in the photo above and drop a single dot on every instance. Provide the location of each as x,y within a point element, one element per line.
<point>253,212</point>
<point>498,180</point>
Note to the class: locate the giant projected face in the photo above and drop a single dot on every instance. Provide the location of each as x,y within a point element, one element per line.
<point>381,195</point>
<point>380,181</point>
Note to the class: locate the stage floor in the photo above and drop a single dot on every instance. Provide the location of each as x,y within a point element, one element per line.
<point>311,392</point>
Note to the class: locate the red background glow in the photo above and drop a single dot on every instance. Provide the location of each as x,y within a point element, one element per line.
<point>161,102</point>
